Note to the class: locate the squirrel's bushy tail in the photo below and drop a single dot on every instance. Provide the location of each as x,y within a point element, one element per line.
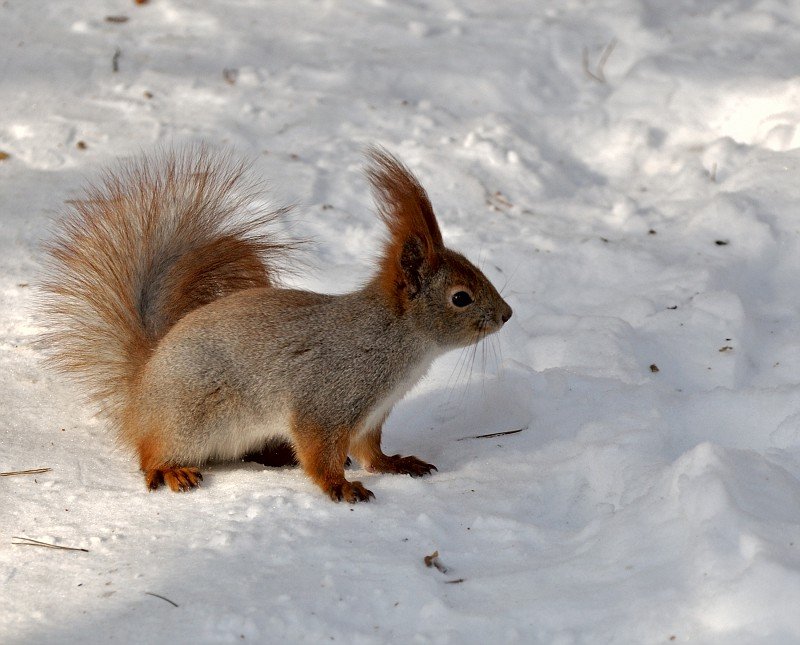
<point>152,241</point>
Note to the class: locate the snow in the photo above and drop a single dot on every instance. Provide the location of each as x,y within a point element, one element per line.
<point>647,220</point>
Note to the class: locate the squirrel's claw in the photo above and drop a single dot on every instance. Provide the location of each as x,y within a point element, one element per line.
<point>407,466</point>
<point>425,469</point>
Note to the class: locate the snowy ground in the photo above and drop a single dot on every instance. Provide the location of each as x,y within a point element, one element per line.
<point>644,217</point>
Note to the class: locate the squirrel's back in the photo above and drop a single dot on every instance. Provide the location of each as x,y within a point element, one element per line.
<point>155,239</point>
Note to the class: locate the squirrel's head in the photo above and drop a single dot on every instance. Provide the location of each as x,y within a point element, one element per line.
<point>448,295</point>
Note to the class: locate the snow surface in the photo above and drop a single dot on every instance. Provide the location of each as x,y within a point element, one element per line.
<point>643,217</point>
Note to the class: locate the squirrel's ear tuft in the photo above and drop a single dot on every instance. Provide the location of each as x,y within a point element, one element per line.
<point>414,237</point>
<point>402,202</point>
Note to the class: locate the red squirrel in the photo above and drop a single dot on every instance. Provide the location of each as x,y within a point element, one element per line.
<point>161,297</point>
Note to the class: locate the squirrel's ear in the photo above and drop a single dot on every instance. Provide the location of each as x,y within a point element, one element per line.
<point>415,240</point>
<point>412,261</point>
<point>402,202</point>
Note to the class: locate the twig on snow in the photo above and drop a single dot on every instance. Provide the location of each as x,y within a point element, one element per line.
<point>32,471</point>
<point>149,593</point>
<point>493,434</point>
<point>598,74</point>
<point>30,542</point>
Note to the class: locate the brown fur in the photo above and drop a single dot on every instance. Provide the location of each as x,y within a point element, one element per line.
<point>322,454</point>
<point>219,267</point>
<point>151,451</point>
<point>404,207</point>
<point>370,455</point>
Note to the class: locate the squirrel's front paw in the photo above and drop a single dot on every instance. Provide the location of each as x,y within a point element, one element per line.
<point>406,466</point>
<point>350,492</point>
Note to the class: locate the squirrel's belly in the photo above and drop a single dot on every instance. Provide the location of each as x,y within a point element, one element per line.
<point>238,436</point>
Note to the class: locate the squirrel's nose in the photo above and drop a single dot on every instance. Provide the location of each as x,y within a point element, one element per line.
<point>506,315</point>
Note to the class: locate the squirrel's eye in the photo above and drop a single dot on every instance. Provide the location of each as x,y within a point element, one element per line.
<point>461,299</point>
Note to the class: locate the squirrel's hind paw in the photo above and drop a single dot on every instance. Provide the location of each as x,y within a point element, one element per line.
<point>399,465</point>
<point>178,478</point>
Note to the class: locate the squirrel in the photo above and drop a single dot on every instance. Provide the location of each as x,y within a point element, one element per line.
<point>162,298</point>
